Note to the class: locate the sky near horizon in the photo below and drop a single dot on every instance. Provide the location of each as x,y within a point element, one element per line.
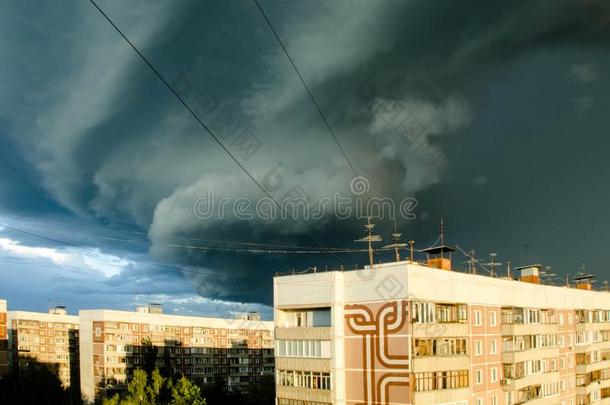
<point>491,115</point>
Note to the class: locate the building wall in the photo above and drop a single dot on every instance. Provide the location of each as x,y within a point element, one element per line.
<point>114,344</point>
<point>508,341</point>
<point>45,339</point>
<point>3,339</point>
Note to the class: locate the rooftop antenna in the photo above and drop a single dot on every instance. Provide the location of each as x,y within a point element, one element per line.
<point>442,232</point>
<point>492,263</point>
<point>605,282</point>
<point>567,279</point>
<point>396,245</point>
<point>508,270</point>
<point>370,238</point>
<point>472,263</point>
<point>525,246</point>
<point>548,273</point>
<point>411,243</point>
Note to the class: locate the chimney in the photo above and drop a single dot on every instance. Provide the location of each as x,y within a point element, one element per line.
<point>584,282</point>
<point>530,274</point>
<point>58,310</point>
<point>152,308</point>
<point>439,256</point>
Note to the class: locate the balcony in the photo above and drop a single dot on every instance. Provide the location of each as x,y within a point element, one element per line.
<point>303,394</point>
<point>441,396</point>
<point>591,367</point>
<point>529,354</point>
<point>434,363</point>
<point>440,329</point>
<point>529,328</point>
<point>303,333</point>
<point>521,383</point>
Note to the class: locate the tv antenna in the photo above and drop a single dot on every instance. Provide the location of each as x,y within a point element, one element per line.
<point>492,263</point>
<point>396,245</point>
<point>370,238</point>
<point>411,244</point>
<point>472,262</point>
<point>548,274</point>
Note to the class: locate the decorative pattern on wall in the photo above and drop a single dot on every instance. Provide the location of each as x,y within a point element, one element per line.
<point>382,367</point>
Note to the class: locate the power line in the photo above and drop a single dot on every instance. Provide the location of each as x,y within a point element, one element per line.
<point>74,245</point>
<point>313,99</point>
<point>221,241</point>
<point>194,115</point>
<point>270,249</point>
<point>469,256</point>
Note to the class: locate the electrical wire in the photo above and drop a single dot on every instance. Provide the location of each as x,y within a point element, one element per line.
<point>307,89</point>
<point>468,256</point>
<point>85,248</point>
<point>195,116</point>
<point>207,248</point>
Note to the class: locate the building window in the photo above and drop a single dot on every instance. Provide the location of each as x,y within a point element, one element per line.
<point>439,347</point>
<point>493,349</point>
<point>532,316</point>
<point>303,379</point>
<point>479,401</point>
<point>301,319</point>
<point>493,318</point>
<point>423,312</point>
<point>478,374</point>
<point>478,347</point>
<point>494,374</point>
<point>477,318</point>
<point>303,348</point>
<point>494,400</point>
<point>440,380</point>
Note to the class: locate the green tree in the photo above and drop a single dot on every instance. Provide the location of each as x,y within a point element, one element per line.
<point>137,388</point>
<point>115,400</point>
<point>186,393</point>
<point>154,389</point>
<point>158,390</point>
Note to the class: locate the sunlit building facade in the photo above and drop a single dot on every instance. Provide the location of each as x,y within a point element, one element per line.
<point>3,339</point>
<point>419,333</point>
<point>48,339</point>
<point>236,352</point>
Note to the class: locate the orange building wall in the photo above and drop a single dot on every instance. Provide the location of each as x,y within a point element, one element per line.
<point>3,344</point>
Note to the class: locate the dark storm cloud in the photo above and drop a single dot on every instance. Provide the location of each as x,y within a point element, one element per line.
<point>108,141</point>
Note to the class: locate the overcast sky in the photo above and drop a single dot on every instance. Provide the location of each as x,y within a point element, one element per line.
<point>493,115</point>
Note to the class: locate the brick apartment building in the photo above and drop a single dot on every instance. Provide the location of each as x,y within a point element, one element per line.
<point>50,339</point>
<point>419,333</point>
<point>113,344</point>
<point>3,339</point>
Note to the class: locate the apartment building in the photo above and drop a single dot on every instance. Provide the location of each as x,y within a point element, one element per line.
<point>420,333</point>
<point>3,339</point>
<point>49,339</point>
<point>113,344</point>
